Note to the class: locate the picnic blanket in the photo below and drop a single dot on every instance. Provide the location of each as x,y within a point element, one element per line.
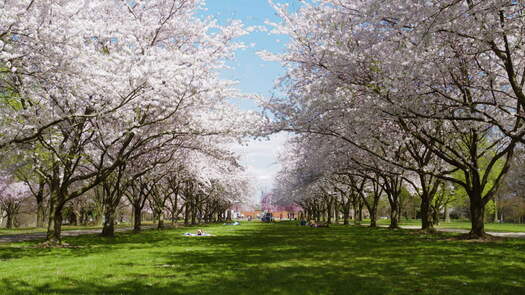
<point>196,235</point>
<point>234,223</point>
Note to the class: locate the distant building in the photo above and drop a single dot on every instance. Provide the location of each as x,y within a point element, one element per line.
<point>267,204</point>
<point>278,211</point>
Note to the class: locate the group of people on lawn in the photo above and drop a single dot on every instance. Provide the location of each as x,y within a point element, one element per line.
<point>312,223</point>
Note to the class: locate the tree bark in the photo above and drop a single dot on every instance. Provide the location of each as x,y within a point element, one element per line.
<point>137,219</point>
<point>9,221</point>
<point>477,212</point>
<point>54,228</point>
<point>160,220</point>
<point>426,216</point>
<point>329,213</point>
<point>346,213</point>
<point>193,214</point>
<point>186,212</point>
<point>373,215</point>
<point>40,213</point>
<point>109,222</point>
<point>360,215</point>
<point>346,218</point>
<point>435,215</point>
<point>394,217</point>
<point>76,220</point>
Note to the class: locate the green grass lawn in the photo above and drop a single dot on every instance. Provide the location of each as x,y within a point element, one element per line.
<point>495,227</point>
<point>455,224</point>
<point>29,230</point>
<point>257,258</point>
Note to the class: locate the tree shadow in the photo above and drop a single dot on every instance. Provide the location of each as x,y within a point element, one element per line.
<point>285,259</point>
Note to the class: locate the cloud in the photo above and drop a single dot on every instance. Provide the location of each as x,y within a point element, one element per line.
<point>260,157</point>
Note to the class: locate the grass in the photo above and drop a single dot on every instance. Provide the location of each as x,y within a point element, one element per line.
<point>456,224</point>
<point>494,227</point>
<point>257,258</point>
<point>30,230</point>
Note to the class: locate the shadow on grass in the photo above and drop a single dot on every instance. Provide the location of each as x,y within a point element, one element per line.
<point>82,245</point>
<point>283,258</point>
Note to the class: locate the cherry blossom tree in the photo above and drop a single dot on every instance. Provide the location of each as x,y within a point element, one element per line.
<point>92,82</point>
<point>12,196</point>
<point>409,67</point>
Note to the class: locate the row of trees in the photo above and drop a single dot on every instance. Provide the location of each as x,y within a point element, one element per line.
<point>102,101</point>
<point>174,193</point>
<point>402,95</point>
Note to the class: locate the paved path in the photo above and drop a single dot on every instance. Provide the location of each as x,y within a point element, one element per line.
<point>68,233</point>
<point>518,235</point>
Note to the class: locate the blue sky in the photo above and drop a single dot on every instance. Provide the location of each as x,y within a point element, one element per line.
<point>255,76</point>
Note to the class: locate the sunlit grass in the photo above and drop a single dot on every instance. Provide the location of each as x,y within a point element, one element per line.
<point>455,224</point>
<point>257,258</point>
<point>30,230</point>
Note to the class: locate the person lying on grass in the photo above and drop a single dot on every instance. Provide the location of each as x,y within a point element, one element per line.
<point>200,233</point>
<point>320,224</point>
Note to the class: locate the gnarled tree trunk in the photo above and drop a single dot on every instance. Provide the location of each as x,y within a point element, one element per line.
<point>108,230</point>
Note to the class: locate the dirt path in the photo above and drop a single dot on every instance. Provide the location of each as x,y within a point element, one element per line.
<point>68,233</point>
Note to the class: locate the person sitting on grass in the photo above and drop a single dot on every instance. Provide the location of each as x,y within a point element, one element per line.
<point>322,224</point>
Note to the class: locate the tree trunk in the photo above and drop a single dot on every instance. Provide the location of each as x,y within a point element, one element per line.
<point>329,213</point>
<point>40,214</point>
<point>360,212</point>
<point>137,219</point>
<point>76,218</point>
<point>426,216</point>
<point>186,213</point>
<point>394,218</point>
<point>54,228</point>
<point>435,216</point>
<point>357,220</point>
<point>373,216</point>
<point>109,222</point>
<point>477,211</point>
<point>447,214</point>
<point>85,218</point>
<point>193,214</point>
<point>10,221</point>
<point>346,215</point>
<point>160,220</point>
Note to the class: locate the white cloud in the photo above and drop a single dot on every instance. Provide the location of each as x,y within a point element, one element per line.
<point>260,157</point>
